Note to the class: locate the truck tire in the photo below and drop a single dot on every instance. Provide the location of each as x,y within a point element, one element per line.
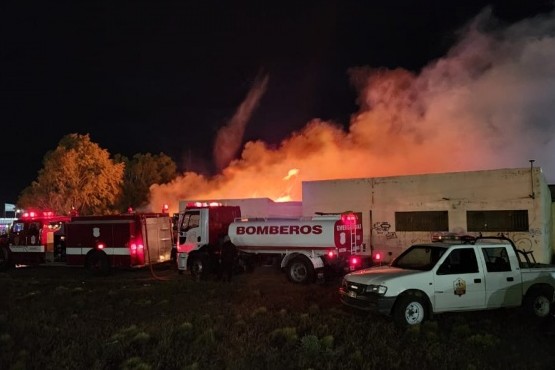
<point>97,263</point>
<point>5,262</point>
<point>198,266</point>
<point>410,309</point>
<point>300,270</point>
<point>538,301</point>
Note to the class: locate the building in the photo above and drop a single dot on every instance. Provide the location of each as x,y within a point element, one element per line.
<point>402,210</point>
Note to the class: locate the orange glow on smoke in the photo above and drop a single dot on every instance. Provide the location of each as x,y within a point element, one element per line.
<point>472,110</point>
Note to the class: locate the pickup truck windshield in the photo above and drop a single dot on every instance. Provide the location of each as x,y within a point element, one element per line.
<point>419,257</point>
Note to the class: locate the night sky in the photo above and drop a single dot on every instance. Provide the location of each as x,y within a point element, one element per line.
<point>153,76</point>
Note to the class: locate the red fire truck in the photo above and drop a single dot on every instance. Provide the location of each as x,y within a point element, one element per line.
<point>98,243</point>
<point>305,248</point>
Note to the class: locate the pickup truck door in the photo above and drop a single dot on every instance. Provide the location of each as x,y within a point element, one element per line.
<point>502,279</point>
<point>459,282</point>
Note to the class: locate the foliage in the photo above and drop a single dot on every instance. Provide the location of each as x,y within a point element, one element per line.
<point>260,321</point>
<point>142,171</point>
<point>78,173</point>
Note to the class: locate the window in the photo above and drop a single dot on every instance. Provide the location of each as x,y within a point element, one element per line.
<point>422,221</point>
<point>18,227</point>
<point>191,220</point>
<point>511,220</point>
<point>459,261</point>
<point>419,257</point>
<point>496,259</point>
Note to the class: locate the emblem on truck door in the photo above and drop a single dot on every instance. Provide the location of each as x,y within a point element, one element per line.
<point>460,287</point>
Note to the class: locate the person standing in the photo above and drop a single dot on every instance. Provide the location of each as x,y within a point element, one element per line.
<point>228,256</point>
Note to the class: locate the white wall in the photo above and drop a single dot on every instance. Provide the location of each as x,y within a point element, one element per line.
<point>504,189</point>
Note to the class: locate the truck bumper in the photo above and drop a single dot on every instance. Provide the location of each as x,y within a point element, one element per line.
<point>367,302</point>
<point>182,261</point>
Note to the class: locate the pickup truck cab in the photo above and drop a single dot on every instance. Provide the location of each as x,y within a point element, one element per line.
<point>483,273</point>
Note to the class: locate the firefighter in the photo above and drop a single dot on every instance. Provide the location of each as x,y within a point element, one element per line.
<point>227,259</point>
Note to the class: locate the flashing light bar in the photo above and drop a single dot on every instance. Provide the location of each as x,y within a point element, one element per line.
<point>452,237</point>
<point>36,214</point>
<point>204,204</point>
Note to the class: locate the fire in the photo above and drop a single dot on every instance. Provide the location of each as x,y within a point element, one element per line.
<point>292,172</point>
<point>486,104</point>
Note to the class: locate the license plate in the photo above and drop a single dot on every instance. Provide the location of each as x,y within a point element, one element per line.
<point>352,294</point>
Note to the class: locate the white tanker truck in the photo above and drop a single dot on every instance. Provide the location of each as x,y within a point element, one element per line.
<point>306,248</point>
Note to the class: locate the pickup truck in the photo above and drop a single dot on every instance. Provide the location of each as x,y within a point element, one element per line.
<point>477,274</point>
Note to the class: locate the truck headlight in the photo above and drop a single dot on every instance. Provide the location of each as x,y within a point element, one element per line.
<point>376,289</point>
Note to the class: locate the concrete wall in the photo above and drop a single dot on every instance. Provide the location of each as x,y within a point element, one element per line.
<point>379,198</point>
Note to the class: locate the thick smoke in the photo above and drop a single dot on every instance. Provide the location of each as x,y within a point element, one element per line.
<point>230,137</point>
<point>489,103</point>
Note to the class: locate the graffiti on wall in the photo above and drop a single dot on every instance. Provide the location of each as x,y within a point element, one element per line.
<point>382,228</point>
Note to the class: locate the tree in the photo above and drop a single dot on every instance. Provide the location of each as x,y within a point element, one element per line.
<point>78,173</point>
<point>142,171</point>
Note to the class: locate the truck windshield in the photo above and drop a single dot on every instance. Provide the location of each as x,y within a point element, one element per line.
<point>419,257</point>
<point>190,220</point>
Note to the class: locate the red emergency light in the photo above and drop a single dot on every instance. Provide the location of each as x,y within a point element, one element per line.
<point>29,214</point>
<point>165,208</point>
<point>377,256</point>
<point>331,254</point>
<point>100,246</point>
<point>136,248</point>
<point>355,261</point>
<point>348,218</point>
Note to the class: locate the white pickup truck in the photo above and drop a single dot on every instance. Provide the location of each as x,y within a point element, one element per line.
<point>484,273</point>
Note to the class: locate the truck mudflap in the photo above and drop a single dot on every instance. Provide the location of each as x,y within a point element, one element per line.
<point>182,258</point>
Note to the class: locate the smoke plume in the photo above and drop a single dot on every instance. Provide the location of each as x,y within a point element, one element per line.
<point>489,103</point>
<point>230,137</point>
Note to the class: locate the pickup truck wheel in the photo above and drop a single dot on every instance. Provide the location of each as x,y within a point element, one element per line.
<point>410,310</point>
<point>300,270</point>
<point>538,302</point>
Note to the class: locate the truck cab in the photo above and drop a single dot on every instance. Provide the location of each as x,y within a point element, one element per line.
<point>443,277</point>
<point>34,238</point>
<point>200,230</point>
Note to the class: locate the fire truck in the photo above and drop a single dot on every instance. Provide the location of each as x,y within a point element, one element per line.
<point>306,248</point>
<point>99,243</point>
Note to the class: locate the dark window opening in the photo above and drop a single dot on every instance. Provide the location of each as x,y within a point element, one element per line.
<point>510,220</point>
<point>422,221</point>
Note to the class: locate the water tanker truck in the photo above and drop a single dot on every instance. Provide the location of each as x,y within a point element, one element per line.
<point>306,248</point>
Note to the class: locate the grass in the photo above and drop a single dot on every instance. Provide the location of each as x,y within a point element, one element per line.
<point>61,318</point>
